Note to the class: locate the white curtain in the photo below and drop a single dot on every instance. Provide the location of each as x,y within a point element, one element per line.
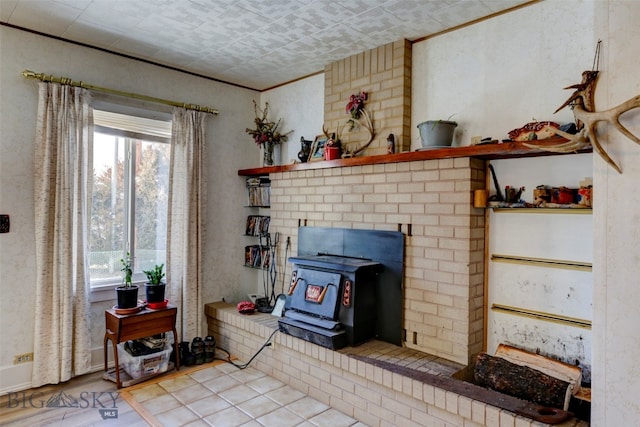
<point>63,172</point>
<point>187,201</point>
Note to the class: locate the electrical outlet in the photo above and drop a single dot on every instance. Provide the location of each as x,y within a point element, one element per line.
<point>23,358</point>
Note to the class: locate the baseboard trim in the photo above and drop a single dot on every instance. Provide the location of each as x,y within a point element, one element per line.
<point>15,378</point>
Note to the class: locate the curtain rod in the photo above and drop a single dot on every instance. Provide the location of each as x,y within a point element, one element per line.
<point>67,81</point>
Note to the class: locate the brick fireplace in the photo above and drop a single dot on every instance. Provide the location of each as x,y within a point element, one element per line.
<point>430,202</point>
<point>428,199</point>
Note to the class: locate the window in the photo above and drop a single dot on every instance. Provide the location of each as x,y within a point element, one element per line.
<point>129,196</point>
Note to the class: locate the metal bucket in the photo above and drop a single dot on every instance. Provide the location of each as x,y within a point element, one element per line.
<point>437,133</point>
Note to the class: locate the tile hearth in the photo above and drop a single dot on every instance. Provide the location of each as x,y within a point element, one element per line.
<point>225,396</point>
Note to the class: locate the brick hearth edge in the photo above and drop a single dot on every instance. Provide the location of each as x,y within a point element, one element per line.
<point>342,379</point>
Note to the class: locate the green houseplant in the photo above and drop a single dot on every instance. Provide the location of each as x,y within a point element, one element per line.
<point>127,293</point>
<point>155,287</point>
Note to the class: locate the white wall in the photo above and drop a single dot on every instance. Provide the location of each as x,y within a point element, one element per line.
<point>301,105</point>
<point>499,74</point>
<point>229,149</point>
<point>617,225</point>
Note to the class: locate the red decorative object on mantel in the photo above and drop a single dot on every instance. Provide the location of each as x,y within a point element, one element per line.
<point>331,152</point>
<point>246,307</point>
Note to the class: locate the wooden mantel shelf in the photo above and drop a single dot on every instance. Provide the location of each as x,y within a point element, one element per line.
<point>505,150</point>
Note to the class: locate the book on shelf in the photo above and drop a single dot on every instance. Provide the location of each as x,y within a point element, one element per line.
<point>257,225</point>
<point>257,256</point>
<point>259,191</point>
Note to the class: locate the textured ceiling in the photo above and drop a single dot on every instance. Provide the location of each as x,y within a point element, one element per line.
<point>253,43</point>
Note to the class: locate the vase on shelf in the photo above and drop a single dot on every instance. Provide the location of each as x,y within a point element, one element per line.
<point>270,154</point>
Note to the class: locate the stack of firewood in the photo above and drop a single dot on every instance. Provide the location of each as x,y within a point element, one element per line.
<point>528,376</point>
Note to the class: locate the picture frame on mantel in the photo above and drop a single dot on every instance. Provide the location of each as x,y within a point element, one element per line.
<point>317,149</point>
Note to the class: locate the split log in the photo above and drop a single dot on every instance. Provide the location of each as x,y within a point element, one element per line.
<point>557,369</point>
<point>521,381</point>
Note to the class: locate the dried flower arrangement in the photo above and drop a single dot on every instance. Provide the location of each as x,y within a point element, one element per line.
<point>266,131</point>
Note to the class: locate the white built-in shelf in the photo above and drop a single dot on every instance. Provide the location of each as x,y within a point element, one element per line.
<point>572,211</point>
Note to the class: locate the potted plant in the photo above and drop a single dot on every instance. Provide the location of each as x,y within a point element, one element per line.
<point>155,286</point>
<point>127,293</point>
<point>437,133</point>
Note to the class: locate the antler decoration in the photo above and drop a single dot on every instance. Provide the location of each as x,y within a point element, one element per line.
<point>368,124</point>
<point>582,103</point>
<point>355,108</point>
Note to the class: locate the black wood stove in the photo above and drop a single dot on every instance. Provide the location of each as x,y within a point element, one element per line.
<point>346,296</point>
<point>333,300</point>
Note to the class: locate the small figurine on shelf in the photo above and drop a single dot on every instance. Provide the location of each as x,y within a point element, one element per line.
<point>305,149</point>
<point>512,194</point>
<point>391,144</point>
<point>541,195</point>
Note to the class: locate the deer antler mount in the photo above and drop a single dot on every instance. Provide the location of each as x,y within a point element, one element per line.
<point>582,103</point>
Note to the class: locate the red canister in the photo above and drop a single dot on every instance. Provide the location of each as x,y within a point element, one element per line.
<point>331,153</point>
<point>563,195</point>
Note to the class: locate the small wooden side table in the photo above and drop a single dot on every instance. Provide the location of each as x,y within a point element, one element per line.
<point>145,323</point>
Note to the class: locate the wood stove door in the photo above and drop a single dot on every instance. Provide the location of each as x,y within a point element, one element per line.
<point>317,293</point>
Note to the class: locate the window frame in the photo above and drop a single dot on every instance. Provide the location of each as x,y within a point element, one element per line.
<point>102,289</point>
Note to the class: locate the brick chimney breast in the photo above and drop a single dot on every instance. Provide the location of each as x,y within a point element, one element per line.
<point>385,74</point>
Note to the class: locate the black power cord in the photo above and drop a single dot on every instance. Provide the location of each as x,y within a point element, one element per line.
<point>246,365</point>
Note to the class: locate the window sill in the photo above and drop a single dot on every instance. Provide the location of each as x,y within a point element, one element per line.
<point>107,292</point>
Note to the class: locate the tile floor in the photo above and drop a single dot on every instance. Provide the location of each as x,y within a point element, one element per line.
<point>225,396</point>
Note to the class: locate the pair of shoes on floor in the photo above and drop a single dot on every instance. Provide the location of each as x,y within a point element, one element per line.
<point>186,357</point>
<point>201,351</point>
<point>209,349</point>
<point>204,351</point>
<point>197,348</point>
